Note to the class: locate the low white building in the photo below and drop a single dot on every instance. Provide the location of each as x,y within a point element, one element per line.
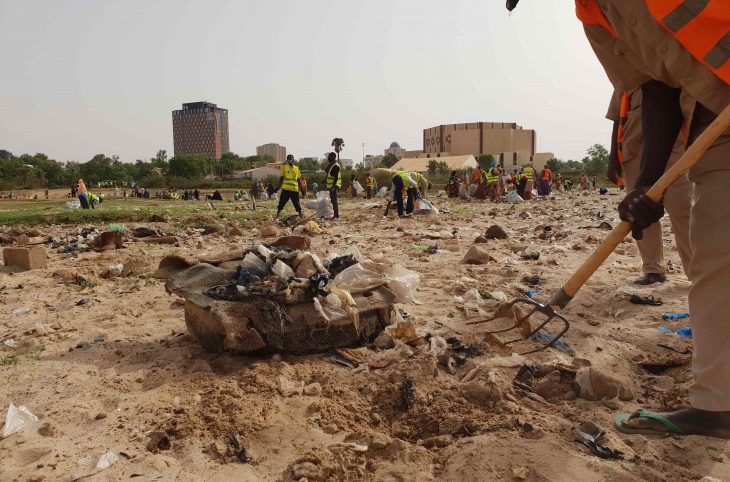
<point>269,170</point>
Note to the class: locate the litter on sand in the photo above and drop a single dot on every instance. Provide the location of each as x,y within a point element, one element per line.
<point>590,435</point>
<point>675,316</point>
<point>17,419</point>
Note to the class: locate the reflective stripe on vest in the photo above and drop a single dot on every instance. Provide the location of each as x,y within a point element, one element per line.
<point>291,176</point>
<point>702,27</point>
<point>623,118</point>
<point>492,176</point>
<point>528,173</point>
<point>590,13</point>
<point>331,179</point>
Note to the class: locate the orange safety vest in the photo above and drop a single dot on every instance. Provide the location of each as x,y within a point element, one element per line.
<point>623,118</point>
<point>590,13</point>
<point>702,27</point>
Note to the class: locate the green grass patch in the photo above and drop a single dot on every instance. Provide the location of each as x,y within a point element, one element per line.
<point>9,360</point>
<point>39,212</point>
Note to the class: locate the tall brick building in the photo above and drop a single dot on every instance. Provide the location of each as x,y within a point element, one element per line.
<point>200,128</point>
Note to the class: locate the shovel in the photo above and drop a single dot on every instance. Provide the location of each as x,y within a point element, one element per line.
<point>550,312</point>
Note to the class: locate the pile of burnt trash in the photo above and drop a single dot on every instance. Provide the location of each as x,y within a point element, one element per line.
<point>283,297</point>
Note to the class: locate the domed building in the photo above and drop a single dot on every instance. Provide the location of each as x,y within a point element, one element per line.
<point>395,149</point>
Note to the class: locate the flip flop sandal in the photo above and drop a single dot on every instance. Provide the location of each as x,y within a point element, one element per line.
<point>645,300</point>
<point>624,417</point>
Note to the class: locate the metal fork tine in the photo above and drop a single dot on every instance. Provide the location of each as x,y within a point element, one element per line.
<point>536,308</point>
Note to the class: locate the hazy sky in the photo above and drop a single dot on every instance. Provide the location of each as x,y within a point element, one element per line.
<point>81,77</point>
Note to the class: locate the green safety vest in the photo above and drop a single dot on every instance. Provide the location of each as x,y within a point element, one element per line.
<point>492,176</point>
<point>529,173</point>
<point>331,179</point>
<point>291,178</point>
<point>404,175</point>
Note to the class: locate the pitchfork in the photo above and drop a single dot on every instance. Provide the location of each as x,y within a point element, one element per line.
<point>561,299</point>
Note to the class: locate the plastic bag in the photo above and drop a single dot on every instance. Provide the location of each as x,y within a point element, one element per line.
<point>324,205</point>
<point>463,194</point>
<point>114,270</point>
<point>358,279</point>
<point>514,198</point>
<point>400,280</point>
<point>75,204</point>
<point>17,419</point>
<point>311,204</point>
<point>282,270</point>
<point>106,460</point>
<point>472,189</point>
<point>421,206</point>
<point>358,187</point>
<point>252,260</point>
<point>382,192</point>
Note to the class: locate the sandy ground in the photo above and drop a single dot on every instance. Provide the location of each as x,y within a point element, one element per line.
<point>142,374</point>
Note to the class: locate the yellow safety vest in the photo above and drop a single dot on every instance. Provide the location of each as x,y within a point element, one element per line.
<point>291,177</point>
<point>404,175</point>
<point>331,179</point>
<point>492,176</point>
<point>528,173</point>
<point>371,182</point>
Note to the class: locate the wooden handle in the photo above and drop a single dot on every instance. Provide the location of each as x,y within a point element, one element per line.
<point>656,193</point>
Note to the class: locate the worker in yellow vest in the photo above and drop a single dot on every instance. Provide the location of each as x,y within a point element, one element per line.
<point>403,183</point>
<point>529,173</point>
<point>334,181</point>
<point>370,186</point>
<point>422,184</point>
<point>289,185</point>
<point>493,182</point>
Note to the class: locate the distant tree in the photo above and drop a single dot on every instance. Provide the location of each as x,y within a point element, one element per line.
<point>98,169</point>
<point>443,167</point>
<point>338,144</point>
<point>596,162</point>
<point>190,167</point>
<point>433,166</point>
<point>555,165</point>
<point>160,161</point>
<point>574,166</point>
<point>485,160</point>
<point>308,165</point>
<point>5,155</point>
<point>390,160</point>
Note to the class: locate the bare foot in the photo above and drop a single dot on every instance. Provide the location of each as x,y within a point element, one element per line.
<point>691,421</point>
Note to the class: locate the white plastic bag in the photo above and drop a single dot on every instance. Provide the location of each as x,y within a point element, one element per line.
<point>252,260</point>
<point>382,192</point>
<point>114,270</point>
<point>358,187</point>
<point>463,194</point>
<point>75,204</point>
<point>514,198</point>
<point>357,279</point>
<point>311,204</point>
<point>421,206</point>
<point>17,419</point>
<point>282,270</point>
<point>106,460</point>
<point>324,205</point>
<point>400,280</point>
<point>472,189</point>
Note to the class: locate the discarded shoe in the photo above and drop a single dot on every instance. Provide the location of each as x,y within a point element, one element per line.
<point>645,300</point>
